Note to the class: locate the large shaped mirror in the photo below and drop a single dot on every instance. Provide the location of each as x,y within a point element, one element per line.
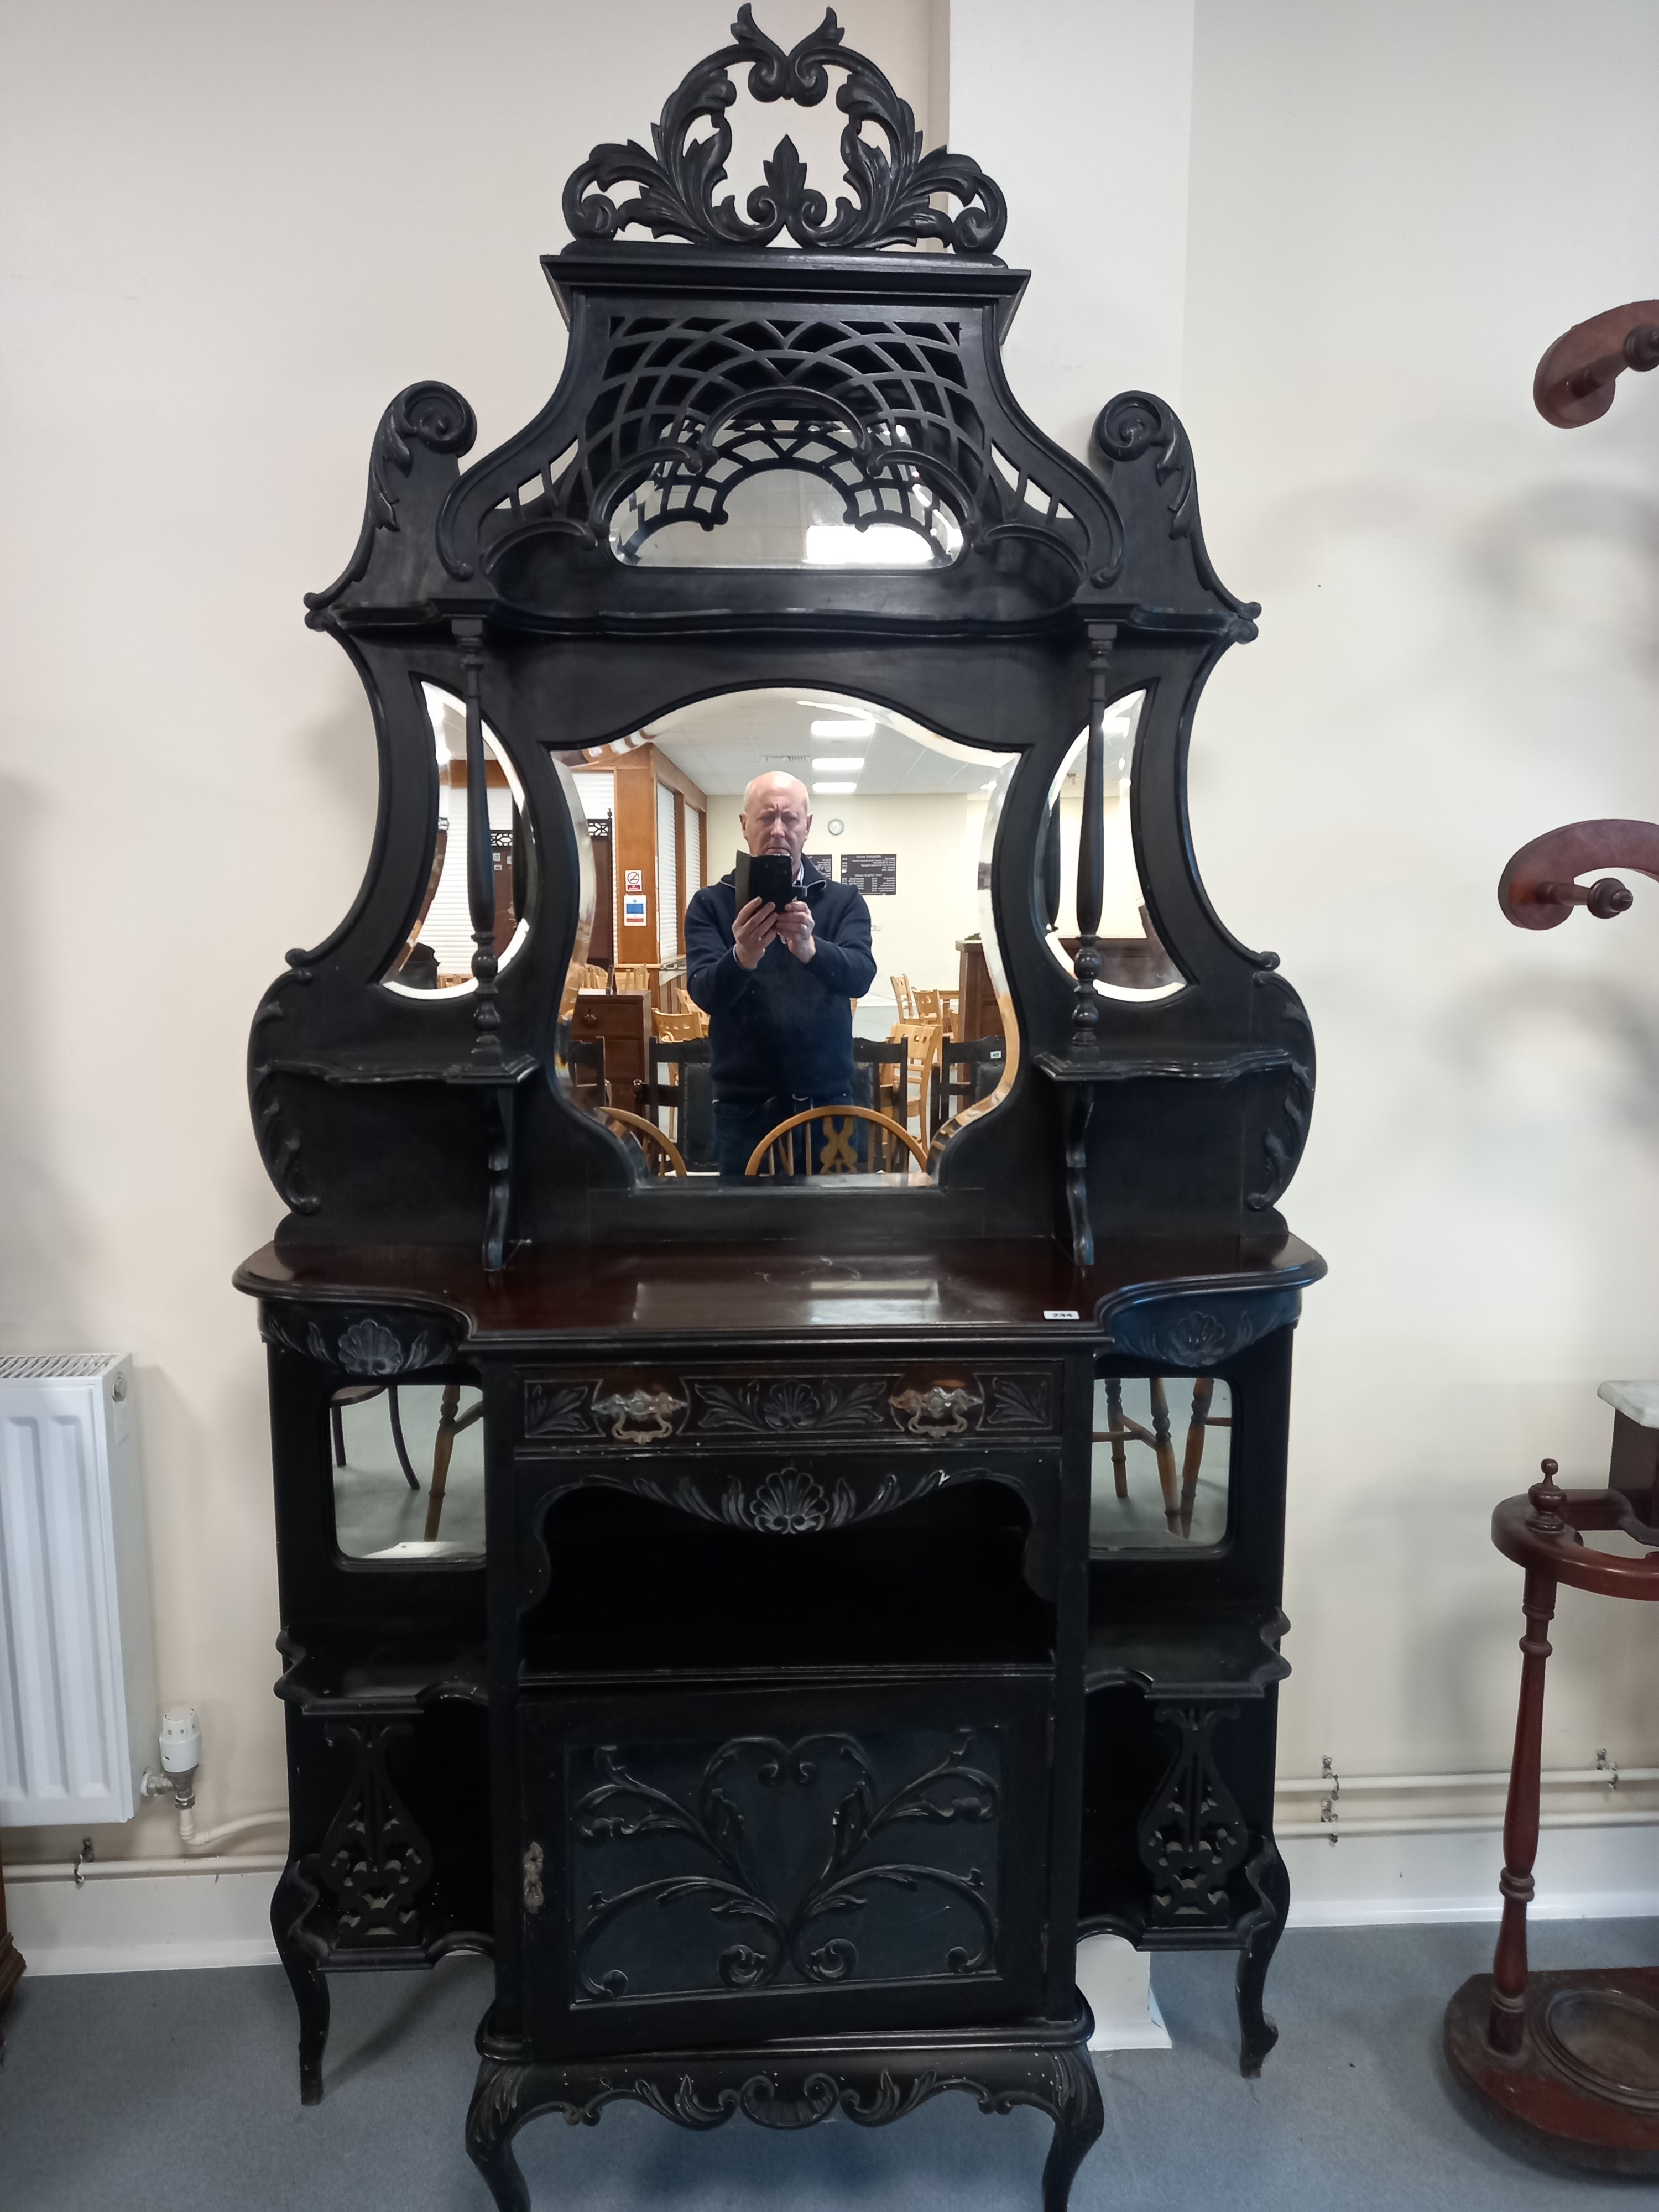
<point>854,991</point>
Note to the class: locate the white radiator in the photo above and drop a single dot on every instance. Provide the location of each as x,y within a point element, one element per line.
<point>77,1678</point>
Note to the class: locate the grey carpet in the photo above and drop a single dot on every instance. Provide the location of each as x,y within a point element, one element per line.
<point>167,2092</point>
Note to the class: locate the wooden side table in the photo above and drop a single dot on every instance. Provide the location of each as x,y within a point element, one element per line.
<point>1568,2061</point>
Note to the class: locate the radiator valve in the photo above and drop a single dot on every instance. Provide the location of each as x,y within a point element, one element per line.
<point>181,1753</point>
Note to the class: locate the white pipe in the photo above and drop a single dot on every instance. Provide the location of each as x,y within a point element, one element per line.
<point>1329,1785</point>
<point>195,1839</point>
<point>1424,1824</point>
<point>108,1869</point>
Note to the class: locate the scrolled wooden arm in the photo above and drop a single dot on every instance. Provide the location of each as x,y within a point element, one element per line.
<point>1575,380</point>
<point>1536,890</point>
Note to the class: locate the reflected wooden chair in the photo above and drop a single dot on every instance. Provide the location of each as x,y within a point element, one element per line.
<point>679,1029</point>
<point>681,1102</point>
<point>584,1058</point>
<point>637,975</point>
<point>904,998</point>
<point>359,1394</point>
<point>451,1422</point>
<point>940,1007</point>
<point>1181,1490</point>
<point>777,1152</point>
<point>887,1061</point>
<point>662,1155</point>
<point>920,1042</point>
<point>966,1073</point>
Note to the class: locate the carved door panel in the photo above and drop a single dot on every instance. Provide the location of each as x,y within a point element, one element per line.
<point>744,1863</point>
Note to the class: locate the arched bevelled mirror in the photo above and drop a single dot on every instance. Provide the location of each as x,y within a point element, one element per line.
<point>1134,964</point>
<point>895,832</point>
<point>437,954</point>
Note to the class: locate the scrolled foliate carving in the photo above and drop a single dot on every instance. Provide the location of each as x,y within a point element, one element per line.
<point>786,1501</point>
<point>430,415</point>
<point>1285,1137</point>
<point>743,1875</point>
<point>772,1408</point>
<point>373,1345</point>
<point>1137,424</point>
<point>894,184</point>
<point>1021,1401</point>
<point>1199,1332</point>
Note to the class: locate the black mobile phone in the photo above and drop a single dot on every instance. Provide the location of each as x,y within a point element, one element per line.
<point>765,876</point>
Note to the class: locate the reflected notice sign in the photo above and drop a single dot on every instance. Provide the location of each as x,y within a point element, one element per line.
<point>875,874</point>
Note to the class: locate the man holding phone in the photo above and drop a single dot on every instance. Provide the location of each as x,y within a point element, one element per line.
<point>776,975</point>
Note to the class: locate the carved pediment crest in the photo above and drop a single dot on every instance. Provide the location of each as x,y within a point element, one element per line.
<point>895,184</point>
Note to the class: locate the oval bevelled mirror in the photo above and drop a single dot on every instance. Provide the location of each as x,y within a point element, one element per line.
<point>437,954</point>
<point>863,1000</point>
<point>1135,965</point>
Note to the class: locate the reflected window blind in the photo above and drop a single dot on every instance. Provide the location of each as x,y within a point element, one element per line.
<point>596,789</point>
<point>668,912</point>
<point>693,850</point>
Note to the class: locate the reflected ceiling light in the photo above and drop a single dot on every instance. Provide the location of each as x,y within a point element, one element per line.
<point>833,790</point>
<point>842,767</point>
<point>846,726</point>
<point>840,545</point>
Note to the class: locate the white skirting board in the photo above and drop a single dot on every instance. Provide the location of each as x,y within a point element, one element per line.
<point>116,1925</point>
<point>220,1916</point>
<point>1371,1881</point>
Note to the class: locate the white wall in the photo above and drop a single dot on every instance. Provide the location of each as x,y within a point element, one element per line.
<point>1393,211</point>
<point>1080,111</point>
<point>231,236</point>
<point>937,836</point>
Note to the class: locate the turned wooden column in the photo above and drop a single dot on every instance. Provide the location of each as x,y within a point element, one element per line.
<point>1505,2021</point>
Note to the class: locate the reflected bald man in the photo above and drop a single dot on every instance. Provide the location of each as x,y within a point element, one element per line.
<point>776,983</point>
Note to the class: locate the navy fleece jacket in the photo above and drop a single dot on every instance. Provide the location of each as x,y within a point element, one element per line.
<point>783,1028</point>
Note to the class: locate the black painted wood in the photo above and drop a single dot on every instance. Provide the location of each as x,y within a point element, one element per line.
<point>788,1735</point>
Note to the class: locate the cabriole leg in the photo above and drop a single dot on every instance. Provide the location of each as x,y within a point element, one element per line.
<point>1257,2035</point>
<point>492,2118</point>
<point>300,1953</point>
<point>1077,2124</point>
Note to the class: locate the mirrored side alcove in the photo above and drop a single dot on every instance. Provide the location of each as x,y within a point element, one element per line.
<point>1161,1470</point>
<point>1134,963</point>
<point>436,955</point>
<point>903,815</point>
<point>408,1471</point>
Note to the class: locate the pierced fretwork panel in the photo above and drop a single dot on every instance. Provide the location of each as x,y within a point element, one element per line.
<point>874,414</point>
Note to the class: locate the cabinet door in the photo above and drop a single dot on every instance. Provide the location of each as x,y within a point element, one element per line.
<point>738,1862</point>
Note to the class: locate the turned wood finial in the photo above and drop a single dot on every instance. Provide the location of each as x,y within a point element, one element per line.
<point>1546,1501</point>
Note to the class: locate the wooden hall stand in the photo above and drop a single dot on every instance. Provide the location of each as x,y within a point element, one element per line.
<point>1568,2062</point>
<point>787,1734</point>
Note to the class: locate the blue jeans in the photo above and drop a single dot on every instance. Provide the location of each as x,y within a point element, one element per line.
<point>740,1123</point>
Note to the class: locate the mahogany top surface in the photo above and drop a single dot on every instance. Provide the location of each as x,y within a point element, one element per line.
<point>773,1292</point>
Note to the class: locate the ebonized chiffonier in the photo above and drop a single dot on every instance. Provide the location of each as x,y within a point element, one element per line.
<point>844,1619</point>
